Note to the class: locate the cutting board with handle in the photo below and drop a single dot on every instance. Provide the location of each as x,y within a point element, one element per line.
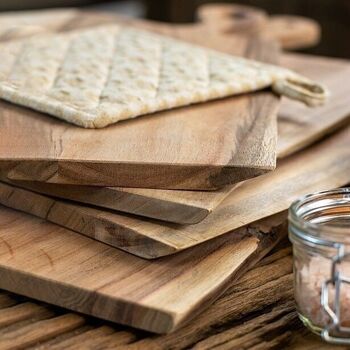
<point>298,127</point>
<point>203,146</point>
<point>290,31</point>
<point>266,195</point>
<point>50,263</point>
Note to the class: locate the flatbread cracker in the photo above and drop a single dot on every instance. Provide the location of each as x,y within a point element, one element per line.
<point>98,76</point>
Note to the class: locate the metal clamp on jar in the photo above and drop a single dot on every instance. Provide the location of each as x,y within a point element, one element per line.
<point>319,228</point>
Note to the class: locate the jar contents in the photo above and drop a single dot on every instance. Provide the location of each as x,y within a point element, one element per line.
<point>312,276</point>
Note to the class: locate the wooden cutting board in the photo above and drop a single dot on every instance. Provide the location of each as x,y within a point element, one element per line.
<point>325,165</point>
<point>204,146</point>
<point>298,127</point>
<point>46,262</point>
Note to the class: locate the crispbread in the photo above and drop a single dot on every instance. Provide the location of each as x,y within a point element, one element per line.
<point>96,77</point>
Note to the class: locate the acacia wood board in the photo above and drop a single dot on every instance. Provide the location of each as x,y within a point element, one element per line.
<point>203,146</point>
<point>298,127</point>
<point>257,310</point>
<point>50,263</point>
<point>320,167</point>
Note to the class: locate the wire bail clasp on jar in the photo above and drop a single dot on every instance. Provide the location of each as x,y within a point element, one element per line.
<point>336,281</point>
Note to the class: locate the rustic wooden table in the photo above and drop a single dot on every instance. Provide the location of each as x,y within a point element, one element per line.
<point>256,313</point>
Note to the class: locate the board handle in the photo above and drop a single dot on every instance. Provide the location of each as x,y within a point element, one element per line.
<point>229,18</point>
<point>291,32</point>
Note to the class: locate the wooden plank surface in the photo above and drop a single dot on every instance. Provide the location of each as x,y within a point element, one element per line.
<point>257,311</point>
<point>204,146</point>
<point>50,263</point>
<point>298,127</point>
<point>320,167</point>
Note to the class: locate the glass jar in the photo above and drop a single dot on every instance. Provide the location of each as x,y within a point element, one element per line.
<point>319,228</point>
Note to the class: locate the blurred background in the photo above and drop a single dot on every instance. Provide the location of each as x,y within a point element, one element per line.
<point>332,15</point>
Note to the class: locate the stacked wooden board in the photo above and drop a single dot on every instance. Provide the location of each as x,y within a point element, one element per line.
<point>298,127</point>
<point>79,273</point>
<point>248,203</point>
<point>252,116</point>
<point>257,311</point>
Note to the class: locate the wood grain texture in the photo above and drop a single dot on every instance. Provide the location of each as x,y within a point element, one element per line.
<point>323,166</point>
<point>50,263</point>
<point>298,127</point>
<point>255,312</point>
<point>182,207</point>
<point>204,146</point>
